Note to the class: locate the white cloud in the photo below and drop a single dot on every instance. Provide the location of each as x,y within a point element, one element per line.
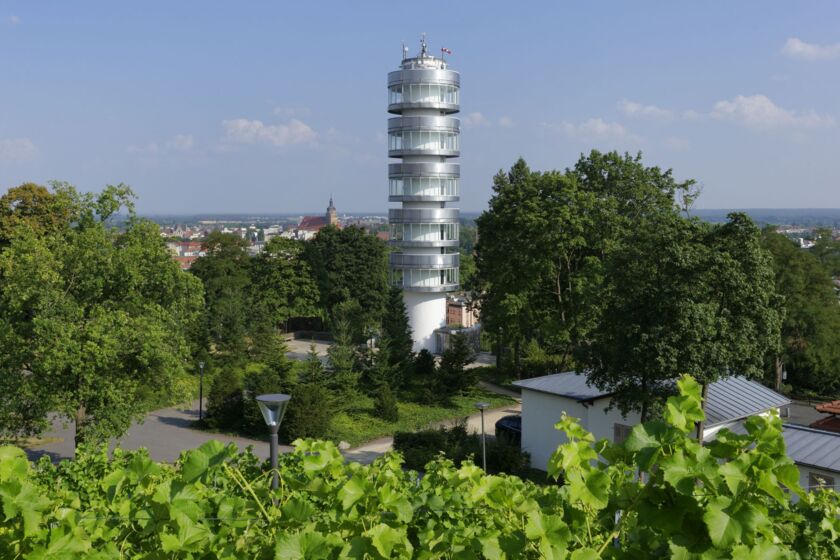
<point>244,131</point>
<point>637,110</point>
<point>593,128</point>
<point>17,150</point>
<point>506,122</point>
<point>475,119</point>
<point>796,48</point>
<point>758,111</point>
<point>178,143</point>
<point>13,20</point>
<point>181,143</point>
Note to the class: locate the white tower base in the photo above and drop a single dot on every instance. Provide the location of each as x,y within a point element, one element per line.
<point>426,312</point>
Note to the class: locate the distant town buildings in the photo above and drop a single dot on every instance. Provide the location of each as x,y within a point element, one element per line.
<point>185,252</point>
<point>309,226</point>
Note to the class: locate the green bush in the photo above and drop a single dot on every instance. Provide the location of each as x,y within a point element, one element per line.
<point>386,404</point>
<point>419,448</point>
<point>259,379</point>
<point>308,414</point>
<point>224,402</point>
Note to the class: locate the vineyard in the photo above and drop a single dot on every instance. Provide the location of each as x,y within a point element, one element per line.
<point>659,494</point>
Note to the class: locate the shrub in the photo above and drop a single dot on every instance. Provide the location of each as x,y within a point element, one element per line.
<point>308,414</point>
<point>224,403</point>
<point>419,448</point>
<point>259,379</point>
<point>386,404</point>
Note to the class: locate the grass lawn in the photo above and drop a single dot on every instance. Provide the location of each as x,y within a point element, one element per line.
<point>360,424</point>
<point>493,375</point>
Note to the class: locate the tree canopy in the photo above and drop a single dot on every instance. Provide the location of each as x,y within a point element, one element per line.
<point>543,242</point>
<point>350,264</point>
<point>90,318</point>
<point>683,296</point>
<point>810,349</point>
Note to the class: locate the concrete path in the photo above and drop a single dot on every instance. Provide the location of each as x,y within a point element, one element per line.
<point>165,433</point>
<point>299,349</point>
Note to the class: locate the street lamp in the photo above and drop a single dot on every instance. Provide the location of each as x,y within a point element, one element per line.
<point>201,391</point>
<point>481,406</point>
<point>273,407</point>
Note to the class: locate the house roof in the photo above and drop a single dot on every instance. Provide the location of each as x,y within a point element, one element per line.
<point>814,448</point>
<point>727,399</point>
<point>828,424</point>
<point>570,384</point>
<point>738,397</point>
<point>832,407</point>
<point>312,223</point>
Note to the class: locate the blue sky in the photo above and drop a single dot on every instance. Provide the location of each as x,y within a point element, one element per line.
<point>271,107</point>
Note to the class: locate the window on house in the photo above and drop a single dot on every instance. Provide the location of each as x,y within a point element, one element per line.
<point>817,480</point>
<point>621,432</point>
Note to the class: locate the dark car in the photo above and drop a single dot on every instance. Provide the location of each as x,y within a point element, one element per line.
<point>509,428</point>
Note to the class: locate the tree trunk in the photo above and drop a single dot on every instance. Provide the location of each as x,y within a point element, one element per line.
<point>80,418</point>
<point>516,358</point>
<point>701,424</point>
<point>779,367</point>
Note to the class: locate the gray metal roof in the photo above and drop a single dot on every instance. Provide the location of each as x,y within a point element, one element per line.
<point>814,448</point>
<point>728,399</point>
<point>733,398</point>
<point>570,384</point>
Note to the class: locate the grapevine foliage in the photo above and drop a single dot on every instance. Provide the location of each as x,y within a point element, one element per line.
<point>659,494</point>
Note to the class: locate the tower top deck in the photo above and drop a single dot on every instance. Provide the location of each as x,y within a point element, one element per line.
<point>423,60</point>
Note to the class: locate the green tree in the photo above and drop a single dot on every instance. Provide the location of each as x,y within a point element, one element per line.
<point>543,241</point>
<point>453,377</point>
<point>683,296</point>
<point>313,368</point>
<point>342,375</point>
<point>45,212</point>
<point>396,334</point>
<point>224,273</point>
<point>385,404</point>
<point>350,263</point>
<point>309,412</point>
<point>810,349</point>
<point>281,284</point>
<point>90,318</point>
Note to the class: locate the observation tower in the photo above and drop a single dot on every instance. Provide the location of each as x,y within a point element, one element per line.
<point>424,93</point>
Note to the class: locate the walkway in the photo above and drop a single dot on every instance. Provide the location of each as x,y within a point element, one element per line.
<point>165,433</point>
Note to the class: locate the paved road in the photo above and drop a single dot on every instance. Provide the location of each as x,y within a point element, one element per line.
<point>165,433</point>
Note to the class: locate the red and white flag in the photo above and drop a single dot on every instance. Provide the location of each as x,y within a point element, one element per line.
<point>445,50</point>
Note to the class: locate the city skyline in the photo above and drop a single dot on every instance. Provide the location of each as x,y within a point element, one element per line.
<point>205,110</point>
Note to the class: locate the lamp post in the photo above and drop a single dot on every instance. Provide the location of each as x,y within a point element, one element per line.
<point>481,406</point>
<point>201,391</point>
<point>273,407</point>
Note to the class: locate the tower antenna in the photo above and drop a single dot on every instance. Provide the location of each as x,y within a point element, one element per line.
<point>423,45</point>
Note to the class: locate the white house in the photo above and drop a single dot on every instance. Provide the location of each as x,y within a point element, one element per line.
<point>728,402</point>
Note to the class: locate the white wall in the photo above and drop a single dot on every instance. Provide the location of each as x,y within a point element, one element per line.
<point>426,312</point>
<point>540,411</point>
<point>602,420</point>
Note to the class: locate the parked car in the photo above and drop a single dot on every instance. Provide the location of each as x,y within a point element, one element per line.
<point>510,428</point>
